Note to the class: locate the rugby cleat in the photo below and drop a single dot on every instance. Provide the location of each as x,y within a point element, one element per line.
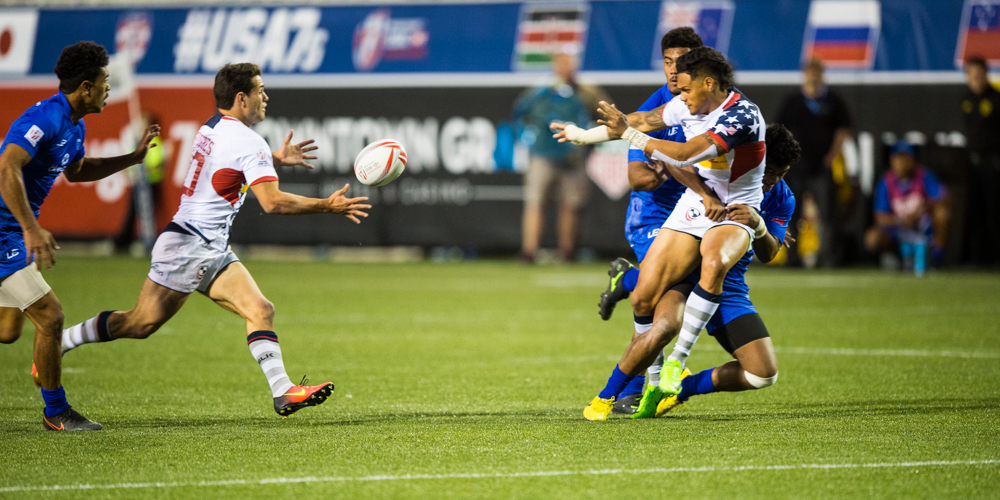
<point>651,397</point>
<point>70,420</point>
<point>615,292</point>
<point>301,396</point>
<point>627,404</point>
<point>670,404</point>
<point>599,409</point>
<point>670,377</point>
<point>34,375</point>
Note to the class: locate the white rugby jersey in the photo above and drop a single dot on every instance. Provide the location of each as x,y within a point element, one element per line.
<point>227,157</point>
<point>739,128</point>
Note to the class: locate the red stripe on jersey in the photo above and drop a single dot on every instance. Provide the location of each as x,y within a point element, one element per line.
<point>229,118</point>
<point>227,182</point>
<point>747,158</point>
<point>264,179</point>
<point>719,141</point>
<point>732,101</point>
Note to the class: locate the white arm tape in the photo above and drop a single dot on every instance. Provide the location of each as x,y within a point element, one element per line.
<point>636,138</point>
<point>707,154</point>
<point>761,229</point>
<point>582,137</point>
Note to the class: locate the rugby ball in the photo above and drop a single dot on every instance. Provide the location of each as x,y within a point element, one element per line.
<point>380,163</point>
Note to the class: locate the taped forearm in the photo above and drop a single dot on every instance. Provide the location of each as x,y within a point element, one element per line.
<point>582,137</point>
<point>708,154</point>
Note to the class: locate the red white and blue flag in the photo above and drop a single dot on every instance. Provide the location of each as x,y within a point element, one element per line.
<point>843,33</point>
<point>979,34</point>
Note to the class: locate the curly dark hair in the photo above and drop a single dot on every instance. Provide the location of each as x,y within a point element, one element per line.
<point>706,61</point>
<point>231,80</point>
<point>680,38</point>
<point>782,148</point>
<point>78,63</point>
<point>976,61</point>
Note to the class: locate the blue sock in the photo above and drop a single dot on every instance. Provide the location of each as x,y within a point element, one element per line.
<point>616,383</point>
<point>633,387</point>
<point>630,279</point>
<point>696,385</point>
<point>55,401</point>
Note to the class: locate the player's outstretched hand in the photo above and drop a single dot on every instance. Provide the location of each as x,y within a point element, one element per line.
<point>41,246</point>
<point>295,154</point>
<point>144,143</point>
<point>559,129</point>
<point>789,240</point>
<point>614,120</point>
<point>348,207</point>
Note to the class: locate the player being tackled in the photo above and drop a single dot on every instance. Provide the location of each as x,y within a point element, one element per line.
<point>193,254</point>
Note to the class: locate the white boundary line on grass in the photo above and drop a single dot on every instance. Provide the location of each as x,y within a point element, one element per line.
<point>495,475</point>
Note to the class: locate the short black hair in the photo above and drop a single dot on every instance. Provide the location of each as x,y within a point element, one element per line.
<point>706,61</point>
<point>231,80</point>
<point>680,38</point>
<point>977,61</point>
<point>78,63</point>
<point>782,148</point>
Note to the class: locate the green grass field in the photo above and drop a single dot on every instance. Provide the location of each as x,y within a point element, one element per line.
<point>468,380</point>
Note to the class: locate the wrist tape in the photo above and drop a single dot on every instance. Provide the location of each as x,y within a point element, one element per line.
<point>638,139</point>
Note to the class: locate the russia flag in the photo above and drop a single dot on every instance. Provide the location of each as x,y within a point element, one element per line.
<point>980,32</point>
<point>843,33</point>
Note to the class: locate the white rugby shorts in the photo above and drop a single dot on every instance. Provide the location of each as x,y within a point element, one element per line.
<point>187,262</point>
<point>689,218</point>
<point>23,288</point>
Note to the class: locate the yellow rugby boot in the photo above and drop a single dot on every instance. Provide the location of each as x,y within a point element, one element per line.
<point>599,408</point>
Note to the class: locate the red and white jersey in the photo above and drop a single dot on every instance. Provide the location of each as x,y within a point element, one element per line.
<point>227,158</point>
<point>738,127</point>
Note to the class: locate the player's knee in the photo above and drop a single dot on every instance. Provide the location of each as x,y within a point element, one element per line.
<point>642,304</point>
<point>9,337</point>
<point>145,329</point>
<point>715,267</point>
<point>759,382</point>
<point>263,311</point>
<point>51,322</point>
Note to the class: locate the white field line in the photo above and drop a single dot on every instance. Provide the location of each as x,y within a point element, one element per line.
<point>494,475</point>
<point>815,351</point>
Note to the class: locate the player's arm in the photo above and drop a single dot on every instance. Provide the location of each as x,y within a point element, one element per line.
<point>276,201</point>
<point>643,121</point>
<point>643,176</point>
<point>290,155</point>
<point>765,244</point>
<point>37,240</point>
<point>93,169</point>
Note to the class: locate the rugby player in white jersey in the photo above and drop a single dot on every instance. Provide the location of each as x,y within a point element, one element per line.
<point>722,164</point>
<point>193,253</point>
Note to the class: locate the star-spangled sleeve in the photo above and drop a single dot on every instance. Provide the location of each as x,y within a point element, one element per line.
<point>740,123</point>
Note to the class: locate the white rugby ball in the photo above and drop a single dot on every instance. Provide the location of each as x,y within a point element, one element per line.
<point>380,162</point>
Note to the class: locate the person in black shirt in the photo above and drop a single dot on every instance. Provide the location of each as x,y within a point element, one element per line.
<point>818,118</point>
<point>981,112</point>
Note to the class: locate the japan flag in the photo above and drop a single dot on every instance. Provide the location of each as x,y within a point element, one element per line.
<point>17,40</point>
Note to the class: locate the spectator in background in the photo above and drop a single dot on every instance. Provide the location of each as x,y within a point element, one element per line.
<point>551,163</point>
<point>981,111</point>
<point>911,211</point>
<point>818,118</point>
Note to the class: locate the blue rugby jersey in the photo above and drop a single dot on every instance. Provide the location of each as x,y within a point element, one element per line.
<point>46,131</point>
<point>653,207</point>
<point>776,209</point>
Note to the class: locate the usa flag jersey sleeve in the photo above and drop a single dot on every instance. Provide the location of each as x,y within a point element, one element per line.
<point>258,166</point>
<point>740,123</point>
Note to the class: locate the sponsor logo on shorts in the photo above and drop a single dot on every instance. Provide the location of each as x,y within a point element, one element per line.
<point>652,234</point>
<point>202,271</point>
<point>692,214</point>
<point>13,253</point>
<point>155,268</point>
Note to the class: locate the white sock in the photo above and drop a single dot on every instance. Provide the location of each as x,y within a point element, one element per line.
<point>264,348</point>
<point>701,305</point>
<point>93,330</point>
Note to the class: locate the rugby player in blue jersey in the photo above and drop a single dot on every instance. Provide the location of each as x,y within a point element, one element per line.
<point>651,201</point>
<point>736,325</point>
<point>46,140</point>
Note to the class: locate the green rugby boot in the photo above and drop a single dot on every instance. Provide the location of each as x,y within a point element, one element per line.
<point>670,377</point>
<point>651,397</point>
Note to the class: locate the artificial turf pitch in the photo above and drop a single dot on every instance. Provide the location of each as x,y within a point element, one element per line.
<point>469,380</point>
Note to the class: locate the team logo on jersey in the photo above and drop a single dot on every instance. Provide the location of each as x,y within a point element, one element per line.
<point>380,37</point>
<point>61,143</point>
<point>692,214</point>
<point>33,135</point>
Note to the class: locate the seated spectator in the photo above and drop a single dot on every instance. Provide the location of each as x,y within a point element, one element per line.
<point>911,211</point>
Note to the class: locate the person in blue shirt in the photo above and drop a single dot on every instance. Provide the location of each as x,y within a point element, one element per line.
<point>911,210</point>
<point>46,140</point>
<point>653,194</point>
<point>736,325</point>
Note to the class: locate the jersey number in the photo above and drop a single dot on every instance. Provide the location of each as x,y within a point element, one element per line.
<point>200,160</point>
